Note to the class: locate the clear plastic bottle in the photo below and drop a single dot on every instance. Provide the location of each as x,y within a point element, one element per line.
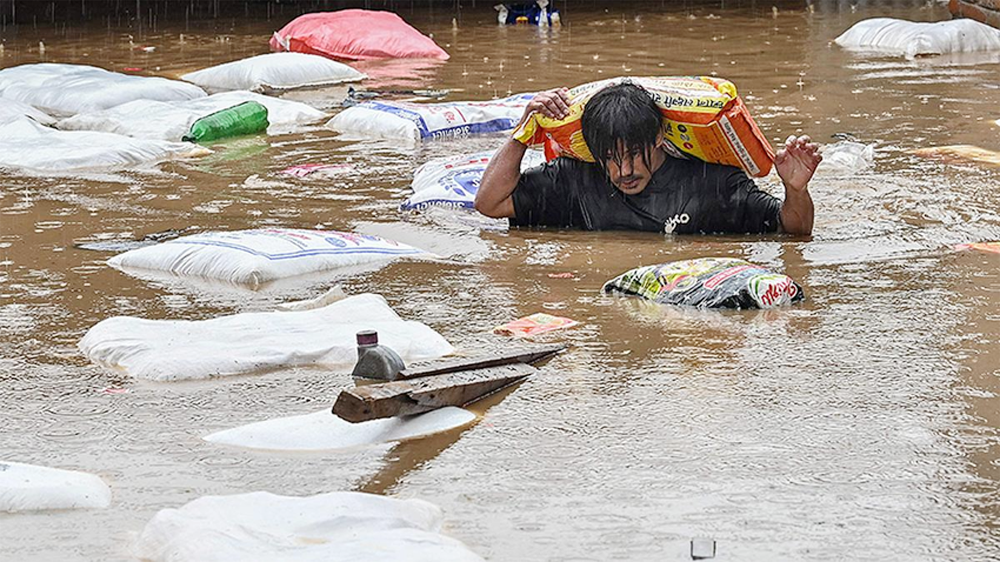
<point>376,361</point>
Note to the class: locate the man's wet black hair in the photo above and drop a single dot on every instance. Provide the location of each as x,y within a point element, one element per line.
<point>624,112</point>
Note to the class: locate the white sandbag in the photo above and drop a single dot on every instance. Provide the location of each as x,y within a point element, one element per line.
<point>454,181</point>
<point>323,431</point>
<point>170,350</point>
<point>254,257</point>
<point>419,121</point>
<point>911,39</point>
<point>26,145</point>
<point>12,110</point>
<point>332,527</point>
<point>274,71</point>
<point>846,157</point>
<point>172,120</point>
<point>26,487</point>
<point>62,90</point>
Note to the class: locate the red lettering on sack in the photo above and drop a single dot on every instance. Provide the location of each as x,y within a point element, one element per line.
<point>775,291</point>
<point>714,281</point>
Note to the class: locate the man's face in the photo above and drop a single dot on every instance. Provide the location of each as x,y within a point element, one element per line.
<point>631,175</point>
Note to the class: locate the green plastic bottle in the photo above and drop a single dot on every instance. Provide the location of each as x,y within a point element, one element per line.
<point>247,118</point>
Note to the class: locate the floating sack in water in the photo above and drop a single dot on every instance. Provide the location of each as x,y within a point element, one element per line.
<point>247,118</point>
<point>26,487</point>
<point>323,431</point>
<point>962,153</point>
<point>171,350</point>
<point>11,110</point>
<point>274,71</point>
<point>254,257</point>
<point>454,181</point>
<point>708,283</point>
<point>703,117</point>
<point>332,527</point>
<point>62,90</point>
<point>355,35</point>
<point>26,145</point>
<point>846,157</point>
<point>146,119</point>
<point>419,121</point>
<point>912,39</point>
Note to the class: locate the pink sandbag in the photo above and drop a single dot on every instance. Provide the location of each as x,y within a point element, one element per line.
<point>355,35</point>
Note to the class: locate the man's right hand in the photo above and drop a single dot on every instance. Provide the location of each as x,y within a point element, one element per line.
<point>495,195</point>
<point>553,104</point>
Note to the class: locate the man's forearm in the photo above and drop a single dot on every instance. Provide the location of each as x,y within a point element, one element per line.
<point>797,212</point>
<point>494,197</point>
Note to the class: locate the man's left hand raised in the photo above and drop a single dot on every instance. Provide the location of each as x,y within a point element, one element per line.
<point>796,162</point>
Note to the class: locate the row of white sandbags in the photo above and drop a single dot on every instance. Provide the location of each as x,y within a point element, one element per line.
<point>95,137</point>
<point>148,119</point>
<point>64,90</point>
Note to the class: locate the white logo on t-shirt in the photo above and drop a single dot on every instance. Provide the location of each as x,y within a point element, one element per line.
<point>671,224</point>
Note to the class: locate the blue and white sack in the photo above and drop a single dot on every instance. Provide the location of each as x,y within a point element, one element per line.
<point>453,181</point>
<point>422,121</point>
<point>255,257</point>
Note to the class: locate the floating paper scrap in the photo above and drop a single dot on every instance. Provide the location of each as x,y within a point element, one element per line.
<point>537,323</point>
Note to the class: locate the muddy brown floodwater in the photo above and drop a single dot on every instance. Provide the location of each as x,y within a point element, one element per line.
<point>860,425</point>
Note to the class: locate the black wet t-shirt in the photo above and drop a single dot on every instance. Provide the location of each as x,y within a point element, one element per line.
<point>683,196</point>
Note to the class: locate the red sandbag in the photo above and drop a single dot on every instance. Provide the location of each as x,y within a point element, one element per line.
<point>355,35</point>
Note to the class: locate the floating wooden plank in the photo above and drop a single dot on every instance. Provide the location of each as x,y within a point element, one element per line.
<point>415,396</point>
<point>495,359</point>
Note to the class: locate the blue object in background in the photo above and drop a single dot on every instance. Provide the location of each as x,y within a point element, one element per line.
<point>536,13</point>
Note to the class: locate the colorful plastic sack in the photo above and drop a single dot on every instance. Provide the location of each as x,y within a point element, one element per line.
<point>423,121</point>
<point>708,283</point>
<point>355,35</point>
<point>247,118</point>
<point>454,181</point>
<point>274,71</point>
<point>703,117</point>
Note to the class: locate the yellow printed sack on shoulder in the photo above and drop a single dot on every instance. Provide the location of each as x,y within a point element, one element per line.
<point>703,117</point>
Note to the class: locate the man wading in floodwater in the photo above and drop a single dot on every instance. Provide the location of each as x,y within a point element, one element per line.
<point>637,185</point>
